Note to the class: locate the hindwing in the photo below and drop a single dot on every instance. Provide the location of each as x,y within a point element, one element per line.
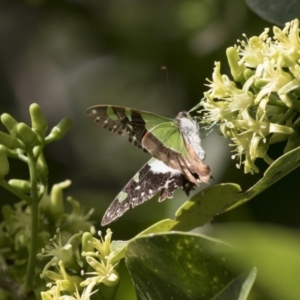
<point>153,178</point>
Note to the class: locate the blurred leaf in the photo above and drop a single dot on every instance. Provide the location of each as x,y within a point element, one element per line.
<point>183,266</point>
<point>275,253</point>
<point>275,11</point>
<point>240,287</point>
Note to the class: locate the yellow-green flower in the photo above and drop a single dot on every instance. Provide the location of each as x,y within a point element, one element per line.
<point>56,293</point>
<point>261,105</point>
<point>67,252</point>
<point>77,219</point>
<point>61,278</point>
<point>104,273</point>
<point>101,262</point>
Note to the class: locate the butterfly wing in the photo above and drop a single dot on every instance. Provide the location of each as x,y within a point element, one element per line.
<point>123,121</point>
<point>154,177</point>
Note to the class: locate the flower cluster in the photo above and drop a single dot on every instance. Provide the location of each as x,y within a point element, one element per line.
<point>78,265</point>
<point>261,106</point>
<point>100,258</point>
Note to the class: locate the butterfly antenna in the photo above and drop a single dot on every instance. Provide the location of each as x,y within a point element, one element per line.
<point>208,133</point>
<point>164,68</point>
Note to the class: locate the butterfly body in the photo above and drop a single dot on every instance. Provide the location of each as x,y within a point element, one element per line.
<point>175,147</point>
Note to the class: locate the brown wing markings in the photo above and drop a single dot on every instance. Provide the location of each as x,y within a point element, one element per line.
<point>148,185</point>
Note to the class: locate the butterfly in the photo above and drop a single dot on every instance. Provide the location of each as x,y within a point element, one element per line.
<point>175,147</point>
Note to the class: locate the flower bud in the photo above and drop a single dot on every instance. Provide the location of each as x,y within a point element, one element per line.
<point>10,141</point>
<point>48,295</point>
<point>248,73</point>
<point>7,213</point>
<point>236,68</point>
<point>10,123</point>
<point>59,130</point>
<point>29,137</point>
<point>38,120</point>
<point>41,166</point>
<point>75,240</point>
<point>56,207</point>
<point>87,242</point>
<point>4,164</point>
<point>260,83</point>
<point>67,282</point>
<point>22,185</point>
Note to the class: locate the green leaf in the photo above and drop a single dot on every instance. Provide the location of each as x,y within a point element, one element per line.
<point>275,252</point>
<point>202,207</point>
<point>277,170</point>
<point>184,266</point>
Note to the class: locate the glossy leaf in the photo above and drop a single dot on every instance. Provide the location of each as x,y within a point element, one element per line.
<point>184,266</point>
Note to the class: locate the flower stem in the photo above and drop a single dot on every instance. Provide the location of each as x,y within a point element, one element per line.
<point>16,192</point>
<point>289,114</point>
<point>34,222</point>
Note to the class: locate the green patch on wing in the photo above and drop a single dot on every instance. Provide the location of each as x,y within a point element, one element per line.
<point>128,113</point>
<point>152,120</point>
<point>136,177</point>
<point>122,196</point>
<point>111,114</point>
<point>169,135</point>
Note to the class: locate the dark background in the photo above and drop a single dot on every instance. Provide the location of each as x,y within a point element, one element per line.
<point>69,55</point>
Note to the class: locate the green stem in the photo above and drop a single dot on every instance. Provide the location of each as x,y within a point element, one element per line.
<point>107,292</point>
<point>268,160</point>
<point>296,123</point>
<point>286,116</point>
<point>275,100</point>
<point>34,222</point>
<point>16,192</point>
<point>16,155</point>
<point>16,291</point>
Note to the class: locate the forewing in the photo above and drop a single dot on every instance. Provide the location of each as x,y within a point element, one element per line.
<point>169,136</point>
<point>154,177</point>
<point>124,120</point>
